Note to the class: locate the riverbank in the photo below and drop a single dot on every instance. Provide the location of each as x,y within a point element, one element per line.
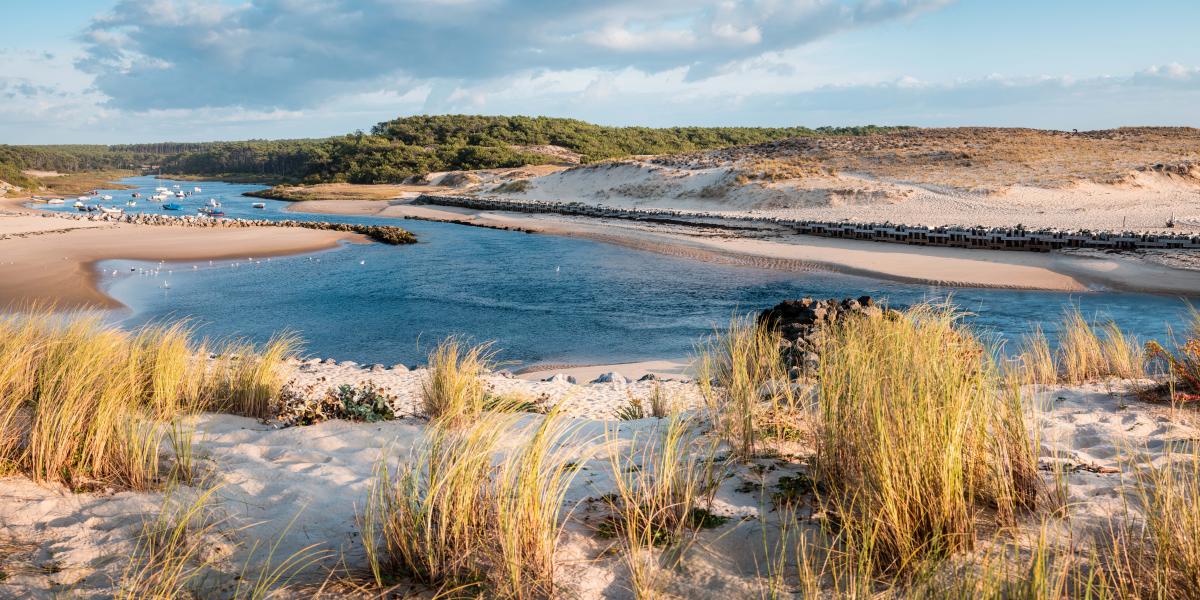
<point>911,264</point>
<point>51,261</point>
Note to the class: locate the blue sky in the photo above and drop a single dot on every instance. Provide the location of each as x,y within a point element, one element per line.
<point>114,71</point>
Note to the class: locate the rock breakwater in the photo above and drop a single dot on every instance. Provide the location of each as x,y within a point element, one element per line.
<point>386,234</point>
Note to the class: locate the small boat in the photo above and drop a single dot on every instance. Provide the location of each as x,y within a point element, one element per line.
<point>179,194</point>
<point>213,203</point>
<point>55,201</point>
<point>78,204</point>
<point>131,203</point>
<point>196,189</point>
<point>136,195</point>
<point>87,208</point>
<point>84,198</point>
<point>161,190</point>
<point>158,197</point>
<point>211,212</point>
<point>176,186</point>
<point>111,211</point>
<point>106,197</point>
<point>259,205</point>
<point>172,206</point>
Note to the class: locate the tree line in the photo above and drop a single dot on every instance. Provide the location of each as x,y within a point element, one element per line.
<point>402,148</point>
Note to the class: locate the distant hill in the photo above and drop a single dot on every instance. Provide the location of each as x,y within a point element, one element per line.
<point>401,148</point>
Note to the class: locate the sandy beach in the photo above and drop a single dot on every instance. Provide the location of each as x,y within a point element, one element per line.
<point>319,474</point>
<point>50,261</point>
<point>935,266</point>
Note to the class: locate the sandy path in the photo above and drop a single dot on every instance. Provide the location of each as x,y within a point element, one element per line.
<point>913,264</point>
<point>49,260</point>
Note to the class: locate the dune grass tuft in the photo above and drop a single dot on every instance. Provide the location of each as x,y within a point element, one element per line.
<point>87,404</point>
<point>743,380</point>
<point>453,517</point>
<point>1156,554</point>
<point>1087,353</point>
<point>962,441</point>
<point>663,487</point>
<point>455,391</point>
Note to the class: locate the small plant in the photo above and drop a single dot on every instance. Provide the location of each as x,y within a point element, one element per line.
<point>632,410</point>
<point>363,403</point>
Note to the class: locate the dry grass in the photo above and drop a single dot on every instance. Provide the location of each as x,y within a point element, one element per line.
<point>1157,554</point>
<point>455,392</point>
<point>1036,360</point>
<point>450,517</point>
<point>170,553</point>
<point>915,433</point>
<point>1087,354</point>
<point>346,191</point>
<point>744,381</point>
<point>247,378</point>
<point>980,158</point>
<point>663,487</point>
<point>87,404</point>
<point>84,182</point>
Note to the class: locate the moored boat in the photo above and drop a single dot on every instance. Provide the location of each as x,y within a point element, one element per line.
<point>213,203</point>
<point>259,205</point>
<point>111,211</point>
<point>55,201</point>
<point>211,212</point>
<point>172,206</point>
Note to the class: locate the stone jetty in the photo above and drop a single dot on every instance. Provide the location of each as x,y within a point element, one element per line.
<point>953,236</point>
<point>386,234</point>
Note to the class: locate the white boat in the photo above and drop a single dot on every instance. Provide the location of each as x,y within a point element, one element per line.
<point>178,194</point>
<point>213,203</point>
<point>106,197</point>
<point>111,211</point>
<point>131,203</point>
<point>196,189</point>
<point>161,190</point>
<point>84,198</point>
<point>78,204</point>
<point>55,201</point>
<point>176,186</point>
<point>259,205</point>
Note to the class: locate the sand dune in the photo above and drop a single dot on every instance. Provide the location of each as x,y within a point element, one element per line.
<point>320,474</point>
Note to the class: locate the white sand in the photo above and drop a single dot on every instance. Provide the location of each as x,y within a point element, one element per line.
<point>267,476</point>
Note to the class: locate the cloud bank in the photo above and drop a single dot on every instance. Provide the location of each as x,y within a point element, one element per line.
<point>155,54</point>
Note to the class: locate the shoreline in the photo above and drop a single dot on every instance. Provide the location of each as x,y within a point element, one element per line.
<point>950,267</point>
<point>58,267</point>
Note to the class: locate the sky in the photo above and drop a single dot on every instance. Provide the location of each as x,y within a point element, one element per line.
<point>124,71</point>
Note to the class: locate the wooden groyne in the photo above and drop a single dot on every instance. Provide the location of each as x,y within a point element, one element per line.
<point>950,236</point>
<point>386,234</point>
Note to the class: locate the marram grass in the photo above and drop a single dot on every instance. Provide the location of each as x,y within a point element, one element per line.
<point>454,516</point>
<point>87,404</point>
<point>915,432</point>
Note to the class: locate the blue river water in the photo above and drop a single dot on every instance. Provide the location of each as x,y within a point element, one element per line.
<point>541,298</point>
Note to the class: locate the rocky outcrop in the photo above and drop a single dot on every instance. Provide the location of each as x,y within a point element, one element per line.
<point>800,323</point>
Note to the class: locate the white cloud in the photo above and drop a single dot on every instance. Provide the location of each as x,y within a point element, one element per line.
<point>297,53</point>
